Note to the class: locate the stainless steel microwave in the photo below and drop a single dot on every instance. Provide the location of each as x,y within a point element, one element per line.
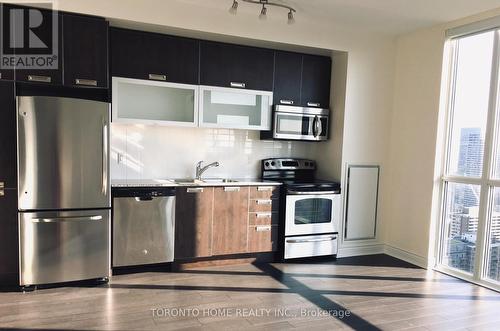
<point>300,123</point>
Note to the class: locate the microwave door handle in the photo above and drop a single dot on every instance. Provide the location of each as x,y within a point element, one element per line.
<point>319,126</point>
<point>315,127</point>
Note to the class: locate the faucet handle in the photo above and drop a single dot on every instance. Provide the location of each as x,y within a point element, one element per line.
<point>199,163</point>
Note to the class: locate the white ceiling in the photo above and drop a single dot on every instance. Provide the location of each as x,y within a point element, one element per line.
<point>385,16</point>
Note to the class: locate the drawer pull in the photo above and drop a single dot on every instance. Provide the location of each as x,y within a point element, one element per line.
<point>231,189</point>
<point>157,77</point>
<point>265,188</point>
<point>263,215</point>
<point>2,189</point>
<point>313,104</point>
<point>262,228</point>
<point>42,79</point>
<point>237,84</point>
<point>87,82</point>
<point>286,102</point>
<point>265,202</point>
<point>195,190</point>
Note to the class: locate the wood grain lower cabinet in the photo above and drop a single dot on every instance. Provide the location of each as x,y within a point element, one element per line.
<point>213,221</point>
<point>230,220</point>
<point>262,238</point>
<point>193,225</point>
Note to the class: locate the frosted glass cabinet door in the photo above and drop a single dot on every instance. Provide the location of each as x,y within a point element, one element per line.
<point>235,108</point>
<point>150,102</point>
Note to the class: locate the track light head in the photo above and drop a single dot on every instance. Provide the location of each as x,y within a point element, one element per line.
<point>263,13</point>
<point>291,19</point>
<point>234,7</point>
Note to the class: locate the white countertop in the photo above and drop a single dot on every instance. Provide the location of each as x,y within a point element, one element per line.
<point>174,183</point>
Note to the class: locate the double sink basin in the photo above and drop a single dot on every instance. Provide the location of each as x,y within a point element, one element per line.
<point>191,181</point>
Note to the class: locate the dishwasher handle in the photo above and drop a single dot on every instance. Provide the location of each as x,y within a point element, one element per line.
<point>144,198</point>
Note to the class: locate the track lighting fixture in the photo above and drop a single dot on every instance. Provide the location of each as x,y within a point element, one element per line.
<point>263,11</point>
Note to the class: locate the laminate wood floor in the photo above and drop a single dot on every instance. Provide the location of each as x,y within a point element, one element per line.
<point>366,293</point>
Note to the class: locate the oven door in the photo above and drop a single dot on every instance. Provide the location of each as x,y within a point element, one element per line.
<point>311,213</point>
<point>298,126</point>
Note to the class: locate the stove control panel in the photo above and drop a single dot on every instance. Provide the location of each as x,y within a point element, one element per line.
<point>288,164</point>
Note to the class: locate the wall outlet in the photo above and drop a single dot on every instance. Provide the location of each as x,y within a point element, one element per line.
<point>119,158</point>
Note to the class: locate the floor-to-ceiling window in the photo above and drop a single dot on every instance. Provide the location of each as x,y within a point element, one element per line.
<point>470,229</point>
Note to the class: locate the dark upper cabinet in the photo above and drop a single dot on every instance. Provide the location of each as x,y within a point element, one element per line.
<point>143,55</point>
<point>42,44</point>
<point>5,74</point>
<point>287,78</point>
<point>85,42</point>
<point>8,135</point>
<point>316,73</point>
<point>229,65</point>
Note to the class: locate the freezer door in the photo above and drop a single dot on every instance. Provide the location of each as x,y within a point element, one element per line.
<point>64,246</point>
<point>63,153</point>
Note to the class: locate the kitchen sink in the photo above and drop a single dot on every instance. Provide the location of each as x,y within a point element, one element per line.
<point>192,181</point>
<point>187,181</point>
<point>219,180</point>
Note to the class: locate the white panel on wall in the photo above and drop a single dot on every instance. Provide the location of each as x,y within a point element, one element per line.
<point>158,152</point>
<point>362,196</point>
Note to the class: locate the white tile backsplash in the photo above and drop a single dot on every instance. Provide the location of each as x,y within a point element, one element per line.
<point>156,152</point>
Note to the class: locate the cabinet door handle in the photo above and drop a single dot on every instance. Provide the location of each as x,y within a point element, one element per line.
<point>195,190</point>
<point>313,104</point>
<point>42,79</point>
<point>2,189</point>
<point>265,188</point>
<point>262,228</point>
<point>157,77</point>
<point>237,84</point>
<point>87,82</point>
<point>231,189</point>
<point>265,202</point>
<point>286,102</point>
<point>263,215</point>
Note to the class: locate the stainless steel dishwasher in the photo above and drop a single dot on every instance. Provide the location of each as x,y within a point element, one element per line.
<point>143,225</point>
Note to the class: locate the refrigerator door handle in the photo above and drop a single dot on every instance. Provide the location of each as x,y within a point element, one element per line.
<point>67,219</point>
<point>104,158</point>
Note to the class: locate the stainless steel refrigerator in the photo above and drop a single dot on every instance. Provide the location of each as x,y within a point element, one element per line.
<point>64,189</point>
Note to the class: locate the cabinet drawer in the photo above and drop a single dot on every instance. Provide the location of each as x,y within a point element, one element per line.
<point>264,192</point>
<point>263,218</point>
<point>262,238</point>
<point>265,205</point>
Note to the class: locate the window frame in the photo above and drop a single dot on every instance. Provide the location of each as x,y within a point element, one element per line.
<point>486,182</point>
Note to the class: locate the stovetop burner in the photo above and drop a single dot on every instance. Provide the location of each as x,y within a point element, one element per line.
<point>296,175</point>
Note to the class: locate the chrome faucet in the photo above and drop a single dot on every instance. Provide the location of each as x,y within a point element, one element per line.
<point>200,170</point>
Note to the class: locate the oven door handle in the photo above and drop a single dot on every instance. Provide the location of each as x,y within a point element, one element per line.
<point>312,193</point>
<point>296,241</point>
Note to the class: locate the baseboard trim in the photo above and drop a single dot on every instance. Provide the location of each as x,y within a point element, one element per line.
<point>361,250</point>
<point>406,256</point>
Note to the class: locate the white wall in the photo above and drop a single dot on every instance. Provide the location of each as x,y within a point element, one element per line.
<point>156,152</point>
<point>416,127</point>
